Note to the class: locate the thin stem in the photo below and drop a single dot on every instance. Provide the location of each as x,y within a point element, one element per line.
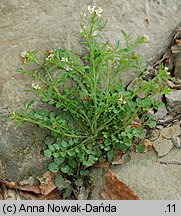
<point>30,120</point>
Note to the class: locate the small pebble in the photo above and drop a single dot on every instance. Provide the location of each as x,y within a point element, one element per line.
<point>176,141</point>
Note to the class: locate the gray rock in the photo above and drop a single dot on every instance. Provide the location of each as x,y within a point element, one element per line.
<point>176,141</point>
<point>97,178</point>
<point>169,132</point>
<point>41,25</point>
<point>173,102</point>
<point>162,146</point>
<point>21,151</point>
<point>174,157</point>
<point>161,113</point>
<point>150,179</point>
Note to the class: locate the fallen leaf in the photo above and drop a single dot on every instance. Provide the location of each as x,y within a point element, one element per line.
<point>136,123</point>
<point>15,185</point>
<point>10,194</point>
<point>101,164</point>
<point>178,41</point>
<point>148,145</point>
<point>53,195</point>
<point>170,84</point>
<point>114,189</point>
<point>29,196</point>
<point>8,184</point>
<point>30,188</point>
<point>47,185</point>
<point>117,158</point>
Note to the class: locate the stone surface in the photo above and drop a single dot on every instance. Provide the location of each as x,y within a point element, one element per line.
<point>21,151</point>
<point>169,132</point>
<point>162,146</point>
<point>161,113</point>
<point>173,102</point>
<point>176,141</point>
<point>174,157</point>
<point>97,177</point>
<point>149,179</point>
<point>44,24</point>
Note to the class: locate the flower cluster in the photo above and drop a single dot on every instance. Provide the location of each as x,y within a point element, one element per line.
<point>24,54</point>
<point>50,56</point>
<point>83,29</point>
<point>97,10</point>
<point>146,37</point>
<point>36,86</point>
<point>67,68</point>
<point>65,60</point>
<point>121,100</point>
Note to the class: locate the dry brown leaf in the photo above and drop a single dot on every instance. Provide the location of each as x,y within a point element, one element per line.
<point>167,55</point>
<point>30,188</point>
<point>178,42</point>
<point>29,196</point>
<point>8,184</point>
<point>148,145</point>
<point>15,185</point>
<point>117,162</point>
<point>114,189</point>
<point>10,194</point>
<point>53,195</point>
<point>101,164</point>
<point>45,191</point>
<point>48,185</point>
<point>170,84</point>
<point>117,158</point>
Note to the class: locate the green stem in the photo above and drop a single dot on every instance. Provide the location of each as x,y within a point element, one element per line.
<point>94,81</point>
<point>48,127</point>
<point>83,116</point>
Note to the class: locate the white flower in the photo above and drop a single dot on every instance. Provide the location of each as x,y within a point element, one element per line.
<point>108,47</point>
<point>83,14</point>
<point>93,9</point>
<point>35,86</point>
<point>83,28</point>
<point>121,100</point>
<point>23,54</point>
<point>166,68</point>
<point>64,60</point>
<point>50,56</point>
<point>67,68</point>
<point>94,33</point>
<point>99,11</point>
<point>146,37</point>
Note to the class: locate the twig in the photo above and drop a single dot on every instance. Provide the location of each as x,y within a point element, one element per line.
<point>169,120</point>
